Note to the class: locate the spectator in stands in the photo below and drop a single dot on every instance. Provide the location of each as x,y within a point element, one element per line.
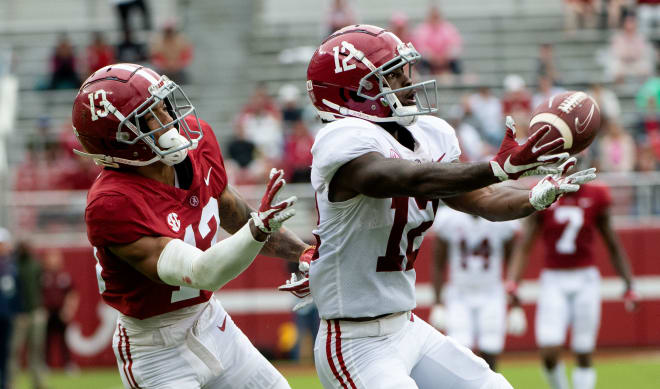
<point>472,143</point>
<point>616,149</point>
<point>341,14</point>
<point>41,149</point>
<point>608,102</point>
<point>546,89</point>
<point>439,42</point>
<point>289,99</point>
<point>99,53</point>
<point>124,9</point>
<point>648,157</point>
<point>61,303</point>
<point>547,66</point>
<point>631,54</point>
<point>297,160</point>
<point>487,110</point>
<point>171,53</point>
<point>516,97</point>
<point>579,14</point>
<point>64,71</point>
<point>129,50</point>
<point>30,321</point>
<point>399,26</point>
<point>8,302</point>
<point>261,122</point>
<point>648,13</point>
<point>615,10</point>
<point>241,150</point>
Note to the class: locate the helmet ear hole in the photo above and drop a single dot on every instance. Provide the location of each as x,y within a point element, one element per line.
<point>355,97</point>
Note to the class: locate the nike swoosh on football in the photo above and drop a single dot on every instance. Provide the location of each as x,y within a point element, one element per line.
<point>510,168</point>
<point>222,326</point>
<point>580,127</point>
<point>208,176</point>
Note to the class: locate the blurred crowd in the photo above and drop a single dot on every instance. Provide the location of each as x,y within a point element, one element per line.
<point>37,301</point>
<point>270,130</point>
<point>49,163</point>
<point>168,51</point>
<point>276,126</point>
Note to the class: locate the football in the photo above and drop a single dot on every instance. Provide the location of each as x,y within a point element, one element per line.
<point>572,115</point>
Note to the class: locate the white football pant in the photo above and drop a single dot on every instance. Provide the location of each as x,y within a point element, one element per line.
<point>477,314</point>
<point>399,351</point>
<point>569,297</point>
<point>209,352</point>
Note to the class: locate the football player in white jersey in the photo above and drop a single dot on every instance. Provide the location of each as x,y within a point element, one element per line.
<point>474,303</point>
<point>379,169</point>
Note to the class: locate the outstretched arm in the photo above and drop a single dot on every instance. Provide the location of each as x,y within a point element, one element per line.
<point>376,176</point>
<point>235,212</point>
<point>511,201</point>
<point>498,202</point>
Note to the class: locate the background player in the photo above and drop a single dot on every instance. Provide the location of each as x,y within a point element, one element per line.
<point>474,297</point>
<point>153,216</point>
<point>378,172</point>
<point>570,281</point>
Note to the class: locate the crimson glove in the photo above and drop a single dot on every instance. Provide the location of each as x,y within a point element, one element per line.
<point>270,217</point>
<point>513,159</point>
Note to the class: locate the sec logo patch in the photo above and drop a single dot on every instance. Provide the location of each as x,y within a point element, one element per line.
<point>193,201</point>
<point>174,222</point>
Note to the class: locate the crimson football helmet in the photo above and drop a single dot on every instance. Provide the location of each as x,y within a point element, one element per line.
<point>109,118</point>
<point>346,77</point>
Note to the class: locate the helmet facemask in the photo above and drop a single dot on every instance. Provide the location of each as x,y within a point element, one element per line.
<point>426,96</point>
<point>176,136</point>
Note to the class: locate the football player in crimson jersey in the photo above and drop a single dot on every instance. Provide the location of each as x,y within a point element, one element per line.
<point>570,282</point>
<point>153,216</point>
<point>380,167</point>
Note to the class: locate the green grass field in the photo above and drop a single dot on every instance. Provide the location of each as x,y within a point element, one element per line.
<point>613,373</point>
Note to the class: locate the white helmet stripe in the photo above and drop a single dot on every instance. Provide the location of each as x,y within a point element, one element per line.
<point>142,72</point>
<point>125,66</point>
<point>396,38</point>
<point>146,75</point>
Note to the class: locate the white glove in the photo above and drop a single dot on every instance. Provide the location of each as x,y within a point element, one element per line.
<point>298,285</point>
<point>516,322</point>
<point>553,186</point>
<point>438,317</point>
<point>270,216</point>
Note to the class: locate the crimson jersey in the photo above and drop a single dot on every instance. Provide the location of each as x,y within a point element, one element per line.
<point>568,227</point>
<point>123,206</point>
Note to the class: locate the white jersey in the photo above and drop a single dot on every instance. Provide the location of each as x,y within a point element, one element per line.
<point>367,246</point>
<point>475,247</point>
